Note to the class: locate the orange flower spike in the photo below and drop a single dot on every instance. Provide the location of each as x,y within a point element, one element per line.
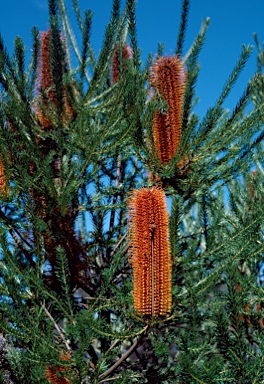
<point>4,184</point>
<point>115,69</point>
<point>150,251</point>
<point>168,77</point>
<point>2,177</point>
<point>52,375</point>
<point>51,372</point>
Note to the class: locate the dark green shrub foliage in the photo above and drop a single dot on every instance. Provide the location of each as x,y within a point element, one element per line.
<point>74,142</point>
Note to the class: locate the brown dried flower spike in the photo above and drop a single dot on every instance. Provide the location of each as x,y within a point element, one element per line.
<point>150,251</point>
<point>168,77</point>
<point>45,82</point>
<point>116,64</point>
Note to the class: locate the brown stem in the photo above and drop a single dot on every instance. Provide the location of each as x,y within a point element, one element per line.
<point>152,272</point>
<point>112,346</point>
<point>23,249</point>
<point>57,328</point>
<point>123,357</point>
<point>112,216</point>
<point>117,245</point>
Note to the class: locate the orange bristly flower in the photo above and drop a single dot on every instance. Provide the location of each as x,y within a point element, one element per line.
<point>51,372</point>
<point>168,77</point>
<point>150,251</point>
<point>116,65</point>
<point>45,83</point>
<point>4,186</point>
<point>2,177</point>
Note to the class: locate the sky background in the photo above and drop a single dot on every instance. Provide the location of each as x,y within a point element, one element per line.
<point>233,23</point>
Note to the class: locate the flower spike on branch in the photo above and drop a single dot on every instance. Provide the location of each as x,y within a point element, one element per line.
<point>53,373</point>
<point>4,187</point>
<point>150,252</point>
<point>168,77</point>
<point>2,176</point>
<point>45,84</point>
<point>45,78</point>
<point>116,69</point>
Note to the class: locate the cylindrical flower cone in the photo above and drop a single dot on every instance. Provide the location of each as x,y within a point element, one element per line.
<point>53,373</point>
<point>150,252</point>
<point>116,63</point>
<point>4,186</point>
<point>168,77</point>
<point>45,82</point>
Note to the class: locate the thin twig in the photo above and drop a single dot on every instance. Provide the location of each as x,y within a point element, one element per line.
<point>112,346</point>
<point>117,245</point>
<point>14,232</point>
<point>123,357</point>
<point>22,248</point>
<point>109,379</point>
<point>67,26</point>
<point>117,377</point>
<point>57,327</point>
<point>112,216</point>
<point>113,210</point>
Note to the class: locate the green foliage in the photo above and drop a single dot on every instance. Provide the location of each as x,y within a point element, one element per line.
<point>66,284</point>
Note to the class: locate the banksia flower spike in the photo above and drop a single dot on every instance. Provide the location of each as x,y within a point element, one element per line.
<point>168,77</point>
<point>2,177</point>
<point>116,69</point>
<point>45,77</point>
<point>150,252</point>
<point>45,82</point>
<point>4,187</point>
<point>53,374</point>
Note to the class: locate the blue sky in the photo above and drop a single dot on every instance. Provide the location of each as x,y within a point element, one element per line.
<point>232,24</point>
